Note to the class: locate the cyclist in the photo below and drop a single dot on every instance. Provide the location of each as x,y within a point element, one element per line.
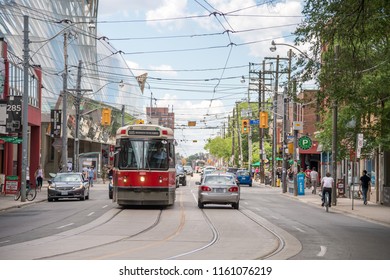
<point>326,184</point>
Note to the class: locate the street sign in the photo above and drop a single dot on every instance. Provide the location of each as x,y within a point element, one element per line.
<point>254,122</point>
<point>305,142</point>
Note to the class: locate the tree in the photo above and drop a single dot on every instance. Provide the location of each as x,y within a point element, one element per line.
<point>220,147</point>
<point>357,77</point>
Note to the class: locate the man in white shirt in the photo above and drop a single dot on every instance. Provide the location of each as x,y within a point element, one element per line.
<point>327,184</point>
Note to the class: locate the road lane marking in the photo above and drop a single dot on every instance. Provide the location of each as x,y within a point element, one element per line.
<point>322,252</point>
<point>5,241</point>
<point>246,203</point>
<point>105,206</point>
<point>65,226</point>
<point>297,228</point>
<point>90,214</point>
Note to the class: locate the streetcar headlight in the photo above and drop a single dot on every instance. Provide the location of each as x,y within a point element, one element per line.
<point>124,179</point>
<point>142,178</point>
<point>160,180</point>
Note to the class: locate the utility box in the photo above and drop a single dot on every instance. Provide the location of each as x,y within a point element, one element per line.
<point>301,183</point>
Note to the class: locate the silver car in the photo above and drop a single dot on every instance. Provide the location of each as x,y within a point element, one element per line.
<point>68,185</point>
<point>218,188</point>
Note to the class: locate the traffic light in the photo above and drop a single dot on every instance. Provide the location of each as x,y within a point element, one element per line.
<point>245,126</point>
<point>263,117</point>
<point>106,116</point>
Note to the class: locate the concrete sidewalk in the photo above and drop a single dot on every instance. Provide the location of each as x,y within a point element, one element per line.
<point>372,211</point>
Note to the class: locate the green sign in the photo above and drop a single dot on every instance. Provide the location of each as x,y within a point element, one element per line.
<point>11,139</point>
<point>305,142</point>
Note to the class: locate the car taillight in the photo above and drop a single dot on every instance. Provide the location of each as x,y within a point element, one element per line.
<point>233,189</point>
<point>205,189</point>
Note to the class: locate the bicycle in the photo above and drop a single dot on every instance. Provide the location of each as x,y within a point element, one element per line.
<point>31,193</point>
<point>326,201</point>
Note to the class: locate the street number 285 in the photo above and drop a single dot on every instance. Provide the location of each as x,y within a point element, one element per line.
<point>14,108</point>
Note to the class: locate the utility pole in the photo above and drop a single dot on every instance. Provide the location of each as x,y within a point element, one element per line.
<point>233,136</point>
<point>334,137</point>
<point>77,104</point>
<point>26,58</point>
<point>284,142</point>
<point>76,138</point>
<point>275,110</point>
<point>295,140</point>
<point>239,137</point>
<point>123,114</point>
<point>64,157</point>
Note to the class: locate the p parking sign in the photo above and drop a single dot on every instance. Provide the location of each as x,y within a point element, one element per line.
<point>305,142</point>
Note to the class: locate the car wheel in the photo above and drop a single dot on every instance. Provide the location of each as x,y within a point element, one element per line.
<point>50,199</point>
<point>250,185</point>
<point>236,205</point>
<point>200,204</point>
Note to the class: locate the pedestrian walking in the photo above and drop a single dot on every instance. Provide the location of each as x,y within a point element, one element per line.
<point>365,182</point>
<point>104,173</point>
<point>314,180</point>
<point>91,175</point>
<point>39,177</point>
<point>307,177</point>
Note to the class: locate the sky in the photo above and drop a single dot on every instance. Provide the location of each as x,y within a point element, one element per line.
<point>195,53</point>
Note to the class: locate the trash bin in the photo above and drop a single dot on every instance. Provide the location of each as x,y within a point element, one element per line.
<point>301,183</point>
<point>278,182</point>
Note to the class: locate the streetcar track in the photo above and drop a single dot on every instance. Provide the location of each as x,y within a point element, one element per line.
<point>155,223</point>
<point>12,237</point>
<point>281,242</point>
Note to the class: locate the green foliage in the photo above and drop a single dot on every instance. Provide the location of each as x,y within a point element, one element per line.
<point>355,75</point>
<point>220,147</point>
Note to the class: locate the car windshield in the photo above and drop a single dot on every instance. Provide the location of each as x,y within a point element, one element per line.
<point>219,180</point>
<point>67,178</point>
<point>242,173</point>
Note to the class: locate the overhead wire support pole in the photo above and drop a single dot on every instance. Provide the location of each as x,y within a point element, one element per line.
<point>334,138</point>
<point>26,58</point>
<point>275,109</point>
<point>77,104</point>
<point>64,157</point>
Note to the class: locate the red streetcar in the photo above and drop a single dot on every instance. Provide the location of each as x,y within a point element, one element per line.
<point>144,166</point>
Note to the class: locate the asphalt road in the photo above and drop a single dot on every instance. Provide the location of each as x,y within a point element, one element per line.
<point>267,226</point>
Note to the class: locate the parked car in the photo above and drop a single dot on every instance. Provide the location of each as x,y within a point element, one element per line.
<point>181,178</point>
<point>218,188</point>
<point>188,169</point>
<point>244,177</point>
<point>68,185</point>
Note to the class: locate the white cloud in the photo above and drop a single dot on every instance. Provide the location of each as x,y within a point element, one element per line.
<point>164,69</point>
<point>167,9</point>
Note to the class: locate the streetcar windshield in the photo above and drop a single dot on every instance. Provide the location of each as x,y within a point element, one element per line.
<point>145,154</point>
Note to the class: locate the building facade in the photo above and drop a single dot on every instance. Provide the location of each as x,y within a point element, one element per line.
<point>66,54</point>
